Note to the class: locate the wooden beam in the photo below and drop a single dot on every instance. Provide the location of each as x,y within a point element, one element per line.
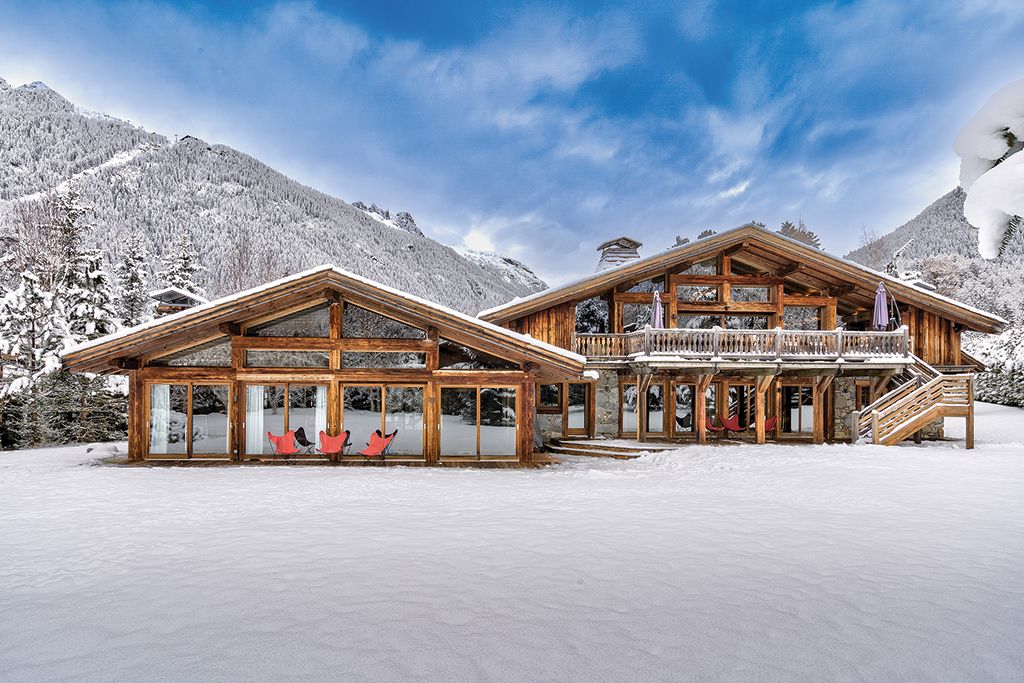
<point>233,329</point>
<point>700,407</point>
<point>821,385</point>
<point>791,269</point>
<point>761,391</point>
<point>129,363</point>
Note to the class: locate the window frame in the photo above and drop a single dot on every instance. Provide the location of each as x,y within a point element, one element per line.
<point>188,384</point>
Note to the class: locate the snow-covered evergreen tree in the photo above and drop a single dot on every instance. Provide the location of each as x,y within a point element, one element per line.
<point>90,300</point>
<point>32,334</point>
<point>182,267</point>
<point>133,303</point>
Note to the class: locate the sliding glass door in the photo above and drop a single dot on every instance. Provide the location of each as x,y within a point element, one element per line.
<point>478,422</point>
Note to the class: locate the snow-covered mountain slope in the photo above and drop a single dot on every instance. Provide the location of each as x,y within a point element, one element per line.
<point>249,223</point>
<point>509,269</point>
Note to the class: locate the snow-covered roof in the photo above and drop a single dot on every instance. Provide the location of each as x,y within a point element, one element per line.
<point>172,322</point>
<point>175,294</point>
<point>523,305</point>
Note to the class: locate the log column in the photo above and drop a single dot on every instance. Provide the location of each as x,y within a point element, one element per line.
<point>700,407</point>
<point>821,385</point>
<point>762,405</point>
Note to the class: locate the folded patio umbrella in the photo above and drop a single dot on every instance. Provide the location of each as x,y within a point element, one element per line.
<point>880,319</point>
<point>657,316</point>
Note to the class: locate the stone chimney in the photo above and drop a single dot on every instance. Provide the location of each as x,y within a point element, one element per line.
<point>616,252</point>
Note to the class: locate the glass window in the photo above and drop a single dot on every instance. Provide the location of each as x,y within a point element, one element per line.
<point>210,424</point>
<point>746,322</point>
<point>405,413</point>
<point>264,412</point>
<point>709,267</point>
<point>628,409</point>
<point>212,354</point>
<point>740,403</point>
<point>749,294</point>
<point>311,322</point>
<point>497,421</point>
<point>362,413</point>
<point>684,408</point>
<point>653,285</point>
<point>287,359</point>
<point>592,316</point>
<point>577,410</point>
<point>307,410</point>
<point>636,316</point>
<point>458,421</point>
<point>801,317</point>
<point>455,356</point>
<point>797,409</point>
<point>710,403</point>
<point>698,322</point>
<point>549,396</point>
<point>383,359</point>
<point>655,409</point>
<point>697,293</point>
<point>168,418</point>
<point>360,323</point>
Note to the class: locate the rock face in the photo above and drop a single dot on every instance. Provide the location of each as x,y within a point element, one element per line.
<point>844,402</point>
<point>606,397</point>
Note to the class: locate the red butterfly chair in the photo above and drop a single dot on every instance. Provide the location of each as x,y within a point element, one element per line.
<point>731,424</point>
<point>378,446</point>
<point>333,446</point>
<point>284,444</point>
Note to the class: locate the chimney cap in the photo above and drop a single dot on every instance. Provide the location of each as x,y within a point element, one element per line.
<point>627,242</point>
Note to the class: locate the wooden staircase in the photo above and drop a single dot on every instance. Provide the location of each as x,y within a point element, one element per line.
<point>921,395</point>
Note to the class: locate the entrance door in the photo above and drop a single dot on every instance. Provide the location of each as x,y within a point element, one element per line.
<point>742,402</point>
<point>576,418</point>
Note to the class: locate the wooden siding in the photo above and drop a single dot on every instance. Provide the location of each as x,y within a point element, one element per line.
<point>554,325</point>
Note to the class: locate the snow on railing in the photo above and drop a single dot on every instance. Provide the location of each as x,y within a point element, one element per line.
<point>716,342</point>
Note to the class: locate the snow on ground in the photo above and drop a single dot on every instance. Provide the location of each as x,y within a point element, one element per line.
<point>736,562</point>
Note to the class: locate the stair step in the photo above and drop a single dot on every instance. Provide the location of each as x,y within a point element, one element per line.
<point>592,453</point>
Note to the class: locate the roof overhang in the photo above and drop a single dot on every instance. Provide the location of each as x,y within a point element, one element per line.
<point>751,235</point>
<point>325,283</point>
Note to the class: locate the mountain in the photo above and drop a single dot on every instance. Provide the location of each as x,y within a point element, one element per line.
<point>249,223</point>
<point>945,251</point>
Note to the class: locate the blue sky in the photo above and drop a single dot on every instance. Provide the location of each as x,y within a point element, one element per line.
<point>540,130</point>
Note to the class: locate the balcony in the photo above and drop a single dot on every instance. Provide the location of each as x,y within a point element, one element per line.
<point>716,346</point>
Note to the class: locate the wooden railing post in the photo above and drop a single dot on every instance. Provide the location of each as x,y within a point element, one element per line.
<point>647,340</point>
<point>855,428</point>
<point>874,426</point>
<point>778,342</point>
<point>905,340</point>
<point>839,342</point>
<point>716,342</point>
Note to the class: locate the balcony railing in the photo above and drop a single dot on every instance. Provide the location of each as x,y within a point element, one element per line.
<point>721,344</point>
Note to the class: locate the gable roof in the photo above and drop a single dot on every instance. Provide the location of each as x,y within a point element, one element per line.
<point>203,322</point>
<point>776,248</point>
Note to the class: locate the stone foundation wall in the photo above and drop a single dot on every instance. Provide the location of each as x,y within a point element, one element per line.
<point>844,402</point>
<point>606,397</point>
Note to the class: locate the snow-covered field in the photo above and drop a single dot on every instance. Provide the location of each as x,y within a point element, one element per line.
<point>737,563</point>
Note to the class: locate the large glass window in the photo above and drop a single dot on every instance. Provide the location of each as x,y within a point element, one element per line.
<point>458,421</point>
<point>652,285</point>
<point>655,409</point>
<point>478,421</point>
<point>360,323</point>
<point>698,322</point>
<point>636,316</point>
<point>549,398</point>
<point>577,408</point>
<point>210,425</point>
<point>628,409</point>
<point>454,356</point>
<point>592,316</point>
<point>310,322</point>
<point>287,359</point>
<point>383,359</point>
<point>168,419</point>
<point>741,294</point>
<point>497,421</point>
<point>741,403</point>
<point>746,322</point>
<point>277,408</point>
<point>684,408</point>
<point>797,409</point>
<point>212,354</point>
<point>362,412</point>
<point>307,409</point>
<point>709,267</point>
<point>404,406</point>
<point>801,317</point>
<point>697,293</point>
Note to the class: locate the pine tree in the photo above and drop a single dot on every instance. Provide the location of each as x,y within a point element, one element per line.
<point>32,333</point>
<point>90,300</point>
<point>69,232</point>
<point>181,267</point>
<point>133,303</point>
<point>800,233</point>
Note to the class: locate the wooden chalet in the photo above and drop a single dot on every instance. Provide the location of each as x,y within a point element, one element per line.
<point>328,351</point>
<point>759,330</point>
